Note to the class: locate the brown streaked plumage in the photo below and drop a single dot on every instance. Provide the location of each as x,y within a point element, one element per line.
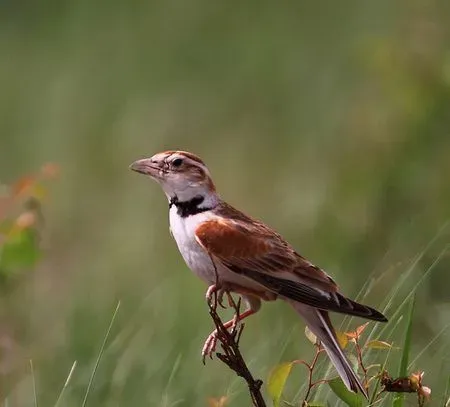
<point>233,252</point>
<point>250,248</point>
<point>273,250</point>
<point>187,154</point>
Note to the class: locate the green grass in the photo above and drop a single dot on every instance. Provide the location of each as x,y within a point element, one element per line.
<point>406,350</point>
<point>402,318</point>
<point>399,326</point>
<point>100,354</point>
<point>66,384</point>
<point>34,383</point>
<point>399,319</point>
<point>125,345</point>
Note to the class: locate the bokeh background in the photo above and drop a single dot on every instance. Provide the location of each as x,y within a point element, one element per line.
<point>328,120</point>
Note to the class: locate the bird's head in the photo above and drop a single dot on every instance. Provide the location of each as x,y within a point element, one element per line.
<point>181,174</point>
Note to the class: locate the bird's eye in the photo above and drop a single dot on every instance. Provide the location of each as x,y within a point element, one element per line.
<point>177,162</point>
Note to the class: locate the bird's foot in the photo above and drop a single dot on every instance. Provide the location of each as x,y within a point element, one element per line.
<point>214,295</point>
<point>209,346</point>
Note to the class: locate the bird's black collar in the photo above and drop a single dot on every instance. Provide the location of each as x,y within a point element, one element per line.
<point>188,208</point>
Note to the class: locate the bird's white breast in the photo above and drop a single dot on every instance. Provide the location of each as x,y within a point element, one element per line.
<point>183,231</point>
<point>197,259</point>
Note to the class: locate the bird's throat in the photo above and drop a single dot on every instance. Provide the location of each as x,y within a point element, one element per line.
<point>190,207</point>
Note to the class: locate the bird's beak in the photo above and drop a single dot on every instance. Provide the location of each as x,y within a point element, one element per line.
<point>146,166</point>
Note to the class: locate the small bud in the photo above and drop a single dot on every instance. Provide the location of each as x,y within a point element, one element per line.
<point>26,220</point>
<point>50,170</point>
<point>425,392</point>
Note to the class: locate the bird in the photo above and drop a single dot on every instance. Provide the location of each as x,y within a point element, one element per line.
<point>232,252</point>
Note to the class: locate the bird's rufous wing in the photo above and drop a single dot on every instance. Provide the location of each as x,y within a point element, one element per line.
<point>253,250</point>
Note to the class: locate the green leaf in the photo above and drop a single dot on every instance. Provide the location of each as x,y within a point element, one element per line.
<point>315,404</point>
<point>342,339</point>
<point>277,381</point>
<point>353,359</point>
<point>376,344</point>
<point>398,399</point>
<point>348,397</point>
<point>20,250</point>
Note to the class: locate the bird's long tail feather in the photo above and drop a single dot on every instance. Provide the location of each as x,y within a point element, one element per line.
<point>319,323</point>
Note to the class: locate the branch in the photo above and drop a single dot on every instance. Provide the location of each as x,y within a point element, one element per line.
<point>232,357</point>
<point>310,367</point>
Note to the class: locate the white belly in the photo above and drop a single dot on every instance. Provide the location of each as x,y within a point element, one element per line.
<point>197,259</point>
<point>183,231</point>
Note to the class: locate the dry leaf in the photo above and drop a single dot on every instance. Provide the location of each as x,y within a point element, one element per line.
<point>357,332</point>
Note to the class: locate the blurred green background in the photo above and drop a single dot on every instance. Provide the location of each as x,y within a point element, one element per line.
<point>330,121</point>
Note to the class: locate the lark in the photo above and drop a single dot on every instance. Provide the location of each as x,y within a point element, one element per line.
<point>233,252</point>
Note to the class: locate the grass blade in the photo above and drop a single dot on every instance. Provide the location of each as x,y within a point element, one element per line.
<point>69,376</point>
<point>100,353</point>
<point>446,400</point>
<point>413,290</point>
<point>166,393</point>
<point>381,330</point>
<point>436,337</point>
<point>34,383</point>
<point>398,399</point>
<point>378,380</point>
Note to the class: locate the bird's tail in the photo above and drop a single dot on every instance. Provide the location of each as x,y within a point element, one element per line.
<point>319,323</point>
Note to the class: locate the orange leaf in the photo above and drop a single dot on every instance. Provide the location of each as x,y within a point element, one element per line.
<point>357,332</point>
<point>23,185</point>
<point>350,335</point>
<point>361,328</point>
<point>220,402</point>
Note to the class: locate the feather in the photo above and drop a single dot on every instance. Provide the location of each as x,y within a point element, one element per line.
<point>319,323</point>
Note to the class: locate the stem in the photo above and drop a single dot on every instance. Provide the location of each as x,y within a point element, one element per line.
<point>359,353</point>
<point>311,367</point>
<point>232,356</point>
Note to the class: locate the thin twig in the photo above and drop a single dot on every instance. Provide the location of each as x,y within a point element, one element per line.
<point>232,357</point>
<point>361,363</point>
<point>310,368</point>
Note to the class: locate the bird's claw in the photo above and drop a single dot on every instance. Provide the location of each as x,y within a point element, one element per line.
<point>209,346</point>
<point>214,295</point>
